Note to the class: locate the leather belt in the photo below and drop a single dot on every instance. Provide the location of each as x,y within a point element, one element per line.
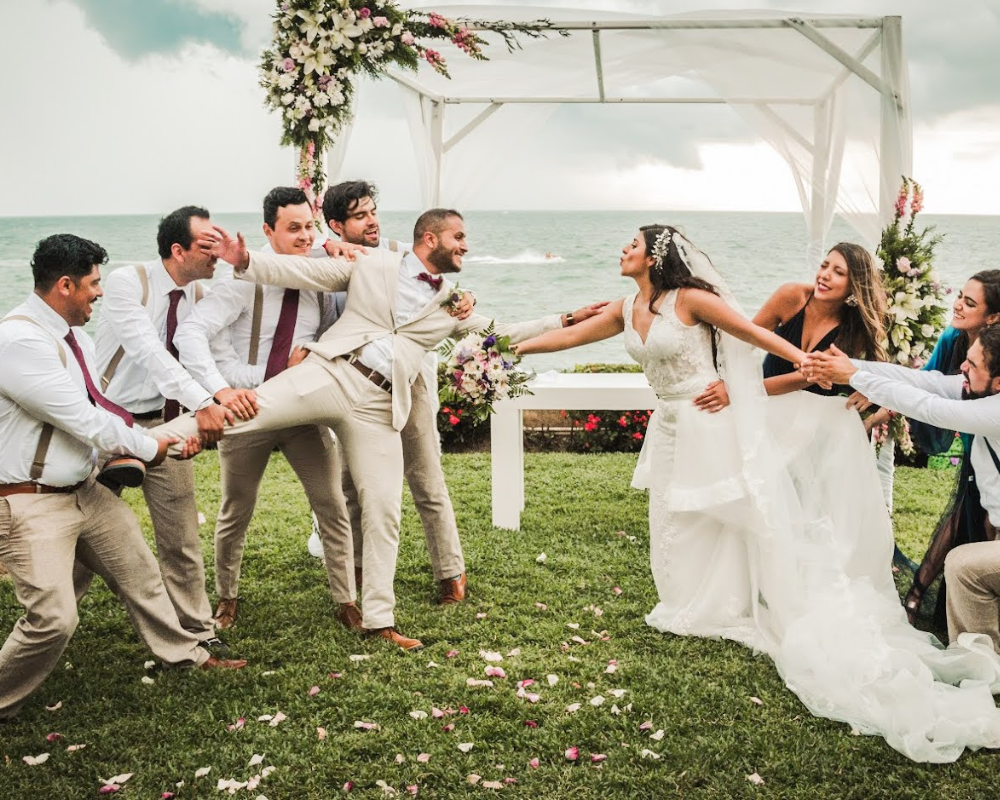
<point>375,377</point>
<point>33,487</point>
<point>148,415</point>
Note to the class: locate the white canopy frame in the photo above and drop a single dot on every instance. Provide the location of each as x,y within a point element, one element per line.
<point>815,157</point>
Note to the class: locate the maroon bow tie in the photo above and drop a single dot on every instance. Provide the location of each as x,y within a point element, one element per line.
<point>434,281</point>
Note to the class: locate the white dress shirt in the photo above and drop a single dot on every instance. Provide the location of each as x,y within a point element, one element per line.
<point>229,305</point>
<point>936,399</point>
<point>35,388</point>
<point>147,373</point>
<point>411,297</point>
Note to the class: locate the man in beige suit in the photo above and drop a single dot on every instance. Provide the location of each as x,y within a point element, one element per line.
<point>357,378</point>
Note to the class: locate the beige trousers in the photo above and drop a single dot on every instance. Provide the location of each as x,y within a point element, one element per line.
<point>313,454</point>
<point>335,394</point>
<point>972,573</point>
<point>41,535</point>
<point>169,493</point>
<point>422,468</point>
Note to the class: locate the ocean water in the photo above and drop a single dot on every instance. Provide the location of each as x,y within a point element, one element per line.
<point>523,264</point>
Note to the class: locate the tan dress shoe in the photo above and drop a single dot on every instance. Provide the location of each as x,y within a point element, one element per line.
<point>225,613</point>
<point>452,590</point>
<point>223,663</point>
<point>349,615</point>
<point>394,636</point>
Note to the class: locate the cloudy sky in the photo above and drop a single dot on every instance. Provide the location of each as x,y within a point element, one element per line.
<point>138,106</point>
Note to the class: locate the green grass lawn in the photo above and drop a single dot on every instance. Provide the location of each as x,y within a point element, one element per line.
<point>592,526</point>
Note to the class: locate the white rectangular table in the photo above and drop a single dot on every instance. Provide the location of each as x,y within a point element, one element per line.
<point>621,392</point>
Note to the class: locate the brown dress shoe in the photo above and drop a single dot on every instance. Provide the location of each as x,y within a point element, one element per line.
<point>394,636</point>
<point>223,663</point>
<point>349,615</point>
<point>452,590</point>
<point>225,613</point>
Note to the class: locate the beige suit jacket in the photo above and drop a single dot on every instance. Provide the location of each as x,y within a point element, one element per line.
<point>370,312</point>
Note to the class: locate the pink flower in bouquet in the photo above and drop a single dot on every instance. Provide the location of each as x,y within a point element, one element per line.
<point>380,22</point>
<point>918,198</point>
<point>364,12</point>
<point>901,199</point>
<point>437,21</point>
<point>903,264</point>
<point>407,38</point>
<point>434,58</point>
<point>289,64</point>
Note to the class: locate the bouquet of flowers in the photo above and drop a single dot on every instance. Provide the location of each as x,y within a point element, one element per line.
<point>917,308</point>
<point>480,370</point>
<point>320,45</point>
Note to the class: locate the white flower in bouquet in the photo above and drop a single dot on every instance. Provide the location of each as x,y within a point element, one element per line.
<point>480,370</point>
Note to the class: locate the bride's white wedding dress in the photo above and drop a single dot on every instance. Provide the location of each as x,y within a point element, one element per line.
<point>767,526</point>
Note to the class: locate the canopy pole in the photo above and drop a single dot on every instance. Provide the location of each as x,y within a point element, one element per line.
<point>820,163</point>
<point>895,148</point>
<point>474,123</point>
<point>437,148</point>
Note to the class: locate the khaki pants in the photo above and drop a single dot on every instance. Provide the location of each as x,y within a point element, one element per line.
<point>972,573</point>
<point>169,493</point>
<point>41,535</point>
<point>335,394</point>
<point>313,454</point>
<point>422,468</point>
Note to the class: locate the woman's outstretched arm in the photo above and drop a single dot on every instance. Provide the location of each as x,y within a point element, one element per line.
<point>703,306</point>
<point>600,326</point>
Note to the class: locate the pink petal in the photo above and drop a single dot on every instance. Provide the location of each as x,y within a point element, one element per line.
<point>449,727</point>
<point>597,758</point>
<point>167,796</point>
<point>495,672</point>
<point>572,753</point>
<point>463,709</point>
<point>451,654</point>
<point>110,788</point>
<point>437,713</point>
<point>53,737</point>
<point>481,615</point>
<point>238,725</point>
<point>533,763</point>
<point>617,590</point>
<point>348,786</point>
<point>646,725</point>
<point>412,789</point>
<point>541,606</point>
<point>321,734</point>
<point>334,675</point>
<point>423,758</point>
<point>525,683</point>
<point>509,781</point>
<point>530,723</point>
<point>314,691</point>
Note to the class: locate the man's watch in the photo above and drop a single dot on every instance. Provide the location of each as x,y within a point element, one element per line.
<point>569,319</point>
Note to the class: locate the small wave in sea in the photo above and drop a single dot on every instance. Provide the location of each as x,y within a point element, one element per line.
<point>524,257</point>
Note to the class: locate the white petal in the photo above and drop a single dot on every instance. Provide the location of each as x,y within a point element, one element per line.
<point>256,759</point>
<point>201,773</point>
<point>465,747</point>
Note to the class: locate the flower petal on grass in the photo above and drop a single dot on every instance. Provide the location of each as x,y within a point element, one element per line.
<point>237,726</point>
<point>149,665</point>
<point>277,720</point>
<point>437,713</point>
<point>400,758</point>
<point>533,763</point>
<point>385,787</point>
<point>413,789</point>
<point>34,761</point>
<point>541,558</point>
<point>756,701</point>
<point>167,796</point>
<point>202,772</point>
<point>552,679</point>
<point>321,734</point>
<point>541,606</point>
<point>597,758</point>
<point>423,758</point>
<point>53,737</point>
<point>617,590</point>
<point>268,673</point>
<point>119,779</point>
<point>657,736</point>
<point>597,701</point>
<point>359,657</point>
<point>490,655</point>
<point>465,747</point>
<point>473,778</point>
<point>314,691</point>
<point>646,725</point>
<point>463,709</point>
<point>334,675</point>
<point>572,753</point>
<point>109,788</point>
<point>572,708</point>
<point>74,747</point>
<point>432,665</point>
<point>477,682</point>
<point>755,779</point>
<point>481,615</point>
<point>579,640</point>
<point>574,625</point>
<point>255,759</point>
<point>649,754</point>
<point>147,680</point>
<point>451,654</point>
<point>492,785</point>
<point>618,694</point>
<point>56,707</point>
<point>530,723</point>
<point>348,786</point>
<point>449,727</point>
<point>366,726</point>
<point>495,672</point>
<point>514,653</point>
<point>418,714</point>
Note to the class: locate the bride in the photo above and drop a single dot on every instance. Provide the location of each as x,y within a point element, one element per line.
<point>767,524</point>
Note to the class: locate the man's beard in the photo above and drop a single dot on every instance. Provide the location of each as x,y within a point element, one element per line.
<point>443,259</point>
<point>968,394</point>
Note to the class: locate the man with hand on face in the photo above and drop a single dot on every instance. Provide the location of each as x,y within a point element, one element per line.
<point>53,422</point>
<point>268,327</point>
<point>137,359</point>
<point>968,403</point>
<point>357,377</point>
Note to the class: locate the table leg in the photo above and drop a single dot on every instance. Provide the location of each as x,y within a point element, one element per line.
<point>507,466</point>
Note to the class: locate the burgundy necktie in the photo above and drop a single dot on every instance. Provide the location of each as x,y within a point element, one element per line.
<point>434,281</point>
<point>281,345</point>
<point>96,398</point>
<point>172,408</point>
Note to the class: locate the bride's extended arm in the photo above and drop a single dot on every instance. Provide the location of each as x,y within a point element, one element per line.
<point>600,326</point>
<point>703,306</point>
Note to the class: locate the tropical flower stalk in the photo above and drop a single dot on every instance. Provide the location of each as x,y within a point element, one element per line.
<point>917,307</point>
<point>320,46</point>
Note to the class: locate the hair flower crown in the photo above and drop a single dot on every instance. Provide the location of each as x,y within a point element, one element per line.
<point>660,247</point>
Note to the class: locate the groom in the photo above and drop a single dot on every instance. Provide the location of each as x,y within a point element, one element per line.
<point>357,377</point>
<point>968,403</point>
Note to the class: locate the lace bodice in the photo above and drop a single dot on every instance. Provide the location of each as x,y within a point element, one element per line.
<point>676,358</point>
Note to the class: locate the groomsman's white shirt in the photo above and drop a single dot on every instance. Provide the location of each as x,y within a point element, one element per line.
<point>230,306</point>
<point>936,399</point>
<point>147,373</point>
<point>35,387</point>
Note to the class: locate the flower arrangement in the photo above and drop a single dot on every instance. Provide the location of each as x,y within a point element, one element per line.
<point>480,370</point>
<point>319,46</point>
<point>607,431</point>
<point>917,309</point>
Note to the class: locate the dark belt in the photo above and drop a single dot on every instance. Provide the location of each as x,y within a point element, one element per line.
<point>375,377</point>
<point>33,487</point>
<point>147,415</point>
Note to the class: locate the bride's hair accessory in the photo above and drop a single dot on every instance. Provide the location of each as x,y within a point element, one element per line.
<point>852,301</point>
<point>660,248</point>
